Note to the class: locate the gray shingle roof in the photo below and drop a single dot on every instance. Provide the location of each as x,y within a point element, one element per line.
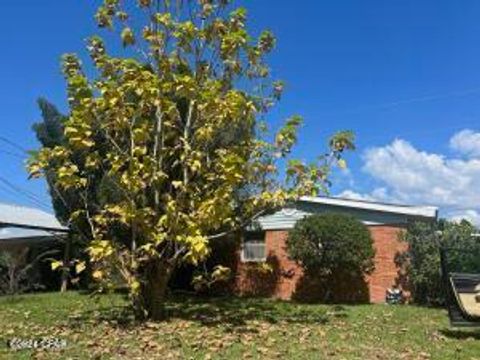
<point>31,218</point>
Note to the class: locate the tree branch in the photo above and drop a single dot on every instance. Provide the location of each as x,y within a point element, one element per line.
<point>242,225</point>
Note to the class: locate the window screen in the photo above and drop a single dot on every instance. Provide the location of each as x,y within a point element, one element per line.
<point>254,248</point>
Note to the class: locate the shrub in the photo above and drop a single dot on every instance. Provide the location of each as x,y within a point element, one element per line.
<point>19,270</point>
<point>330,242</point>
<point>422,259</point>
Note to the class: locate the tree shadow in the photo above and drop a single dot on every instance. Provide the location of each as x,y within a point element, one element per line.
<point>337,288</point>
<point>229,312</point>
<point>463,334</point>
<point>234,311</point>
<point>119,316</point>
<point>254,281</point>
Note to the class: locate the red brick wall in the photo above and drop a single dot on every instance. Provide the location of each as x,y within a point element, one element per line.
<point>280,282</point>
<point>387,273</point>
<point>285,280</point>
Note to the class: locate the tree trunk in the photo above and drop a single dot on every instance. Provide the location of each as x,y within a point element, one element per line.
<point>154,292</point>
<point>66,268</point>
<point>12,283</point>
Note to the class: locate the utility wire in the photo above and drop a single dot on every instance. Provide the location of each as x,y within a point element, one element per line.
<point>7,190</point>
<point>405,101</point>
<point>9,186</point>
<point>33,198</point>
<point>27,194</point>
<point>13,154</point>
<point>13,144</point>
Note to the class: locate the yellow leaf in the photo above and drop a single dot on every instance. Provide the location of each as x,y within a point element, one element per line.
<point>92,161</point>
<point>135,286</point>
<point>221,273</point>
<point>197,165</point>
<point>100,249</point>
<point>80,267</point>
<point>342,164</point>
<point>97,274</point>
<point>70,130</point>
<point>87,143</point>
<point>127,37</point>
<point>176,184</point>
<point>56,264</point>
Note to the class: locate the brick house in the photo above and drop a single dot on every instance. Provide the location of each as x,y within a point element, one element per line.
<point>285,278</point>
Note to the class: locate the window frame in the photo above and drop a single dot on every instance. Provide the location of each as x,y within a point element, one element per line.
<point>256,238</point>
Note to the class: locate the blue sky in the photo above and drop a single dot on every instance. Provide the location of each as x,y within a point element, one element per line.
<point>404,75</point>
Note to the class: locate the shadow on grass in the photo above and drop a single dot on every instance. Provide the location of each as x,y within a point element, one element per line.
<point>234,311</point>
<point>121,316</point>
<point>464,334</point>
<point>225,311</point>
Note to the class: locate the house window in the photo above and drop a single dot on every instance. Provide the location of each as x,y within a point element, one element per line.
<point>253,248</point>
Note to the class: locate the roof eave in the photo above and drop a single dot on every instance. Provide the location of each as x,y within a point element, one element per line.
<point>428,212</point>
<point>35,227</point>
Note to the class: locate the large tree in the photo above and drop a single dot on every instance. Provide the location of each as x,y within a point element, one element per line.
<point>176,130</point>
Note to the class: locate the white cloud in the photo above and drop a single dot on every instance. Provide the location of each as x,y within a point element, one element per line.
<point>408,175</point>
<point>416,176</point>
<point>471,215</point>
<point>350,194</point>
<point>466,142</point>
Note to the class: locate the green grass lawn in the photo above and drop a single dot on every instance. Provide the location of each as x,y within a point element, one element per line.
<point>231,329</point>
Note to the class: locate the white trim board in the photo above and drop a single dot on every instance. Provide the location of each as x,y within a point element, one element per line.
<point>421,211</point>
<point>369,213</point>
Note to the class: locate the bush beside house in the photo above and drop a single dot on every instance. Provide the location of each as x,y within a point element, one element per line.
<point>336,251</point>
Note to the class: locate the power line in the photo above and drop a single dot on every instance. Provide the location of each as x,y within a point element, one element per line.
<point>427,98</point>
<point>32,197</point>
<point>7,190</point>
<point>19,150</point>
<point>27,194</point>
<point>14,189</point>
<point>405,101</point>
<point>13,144</point>
<point>13,154</point>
